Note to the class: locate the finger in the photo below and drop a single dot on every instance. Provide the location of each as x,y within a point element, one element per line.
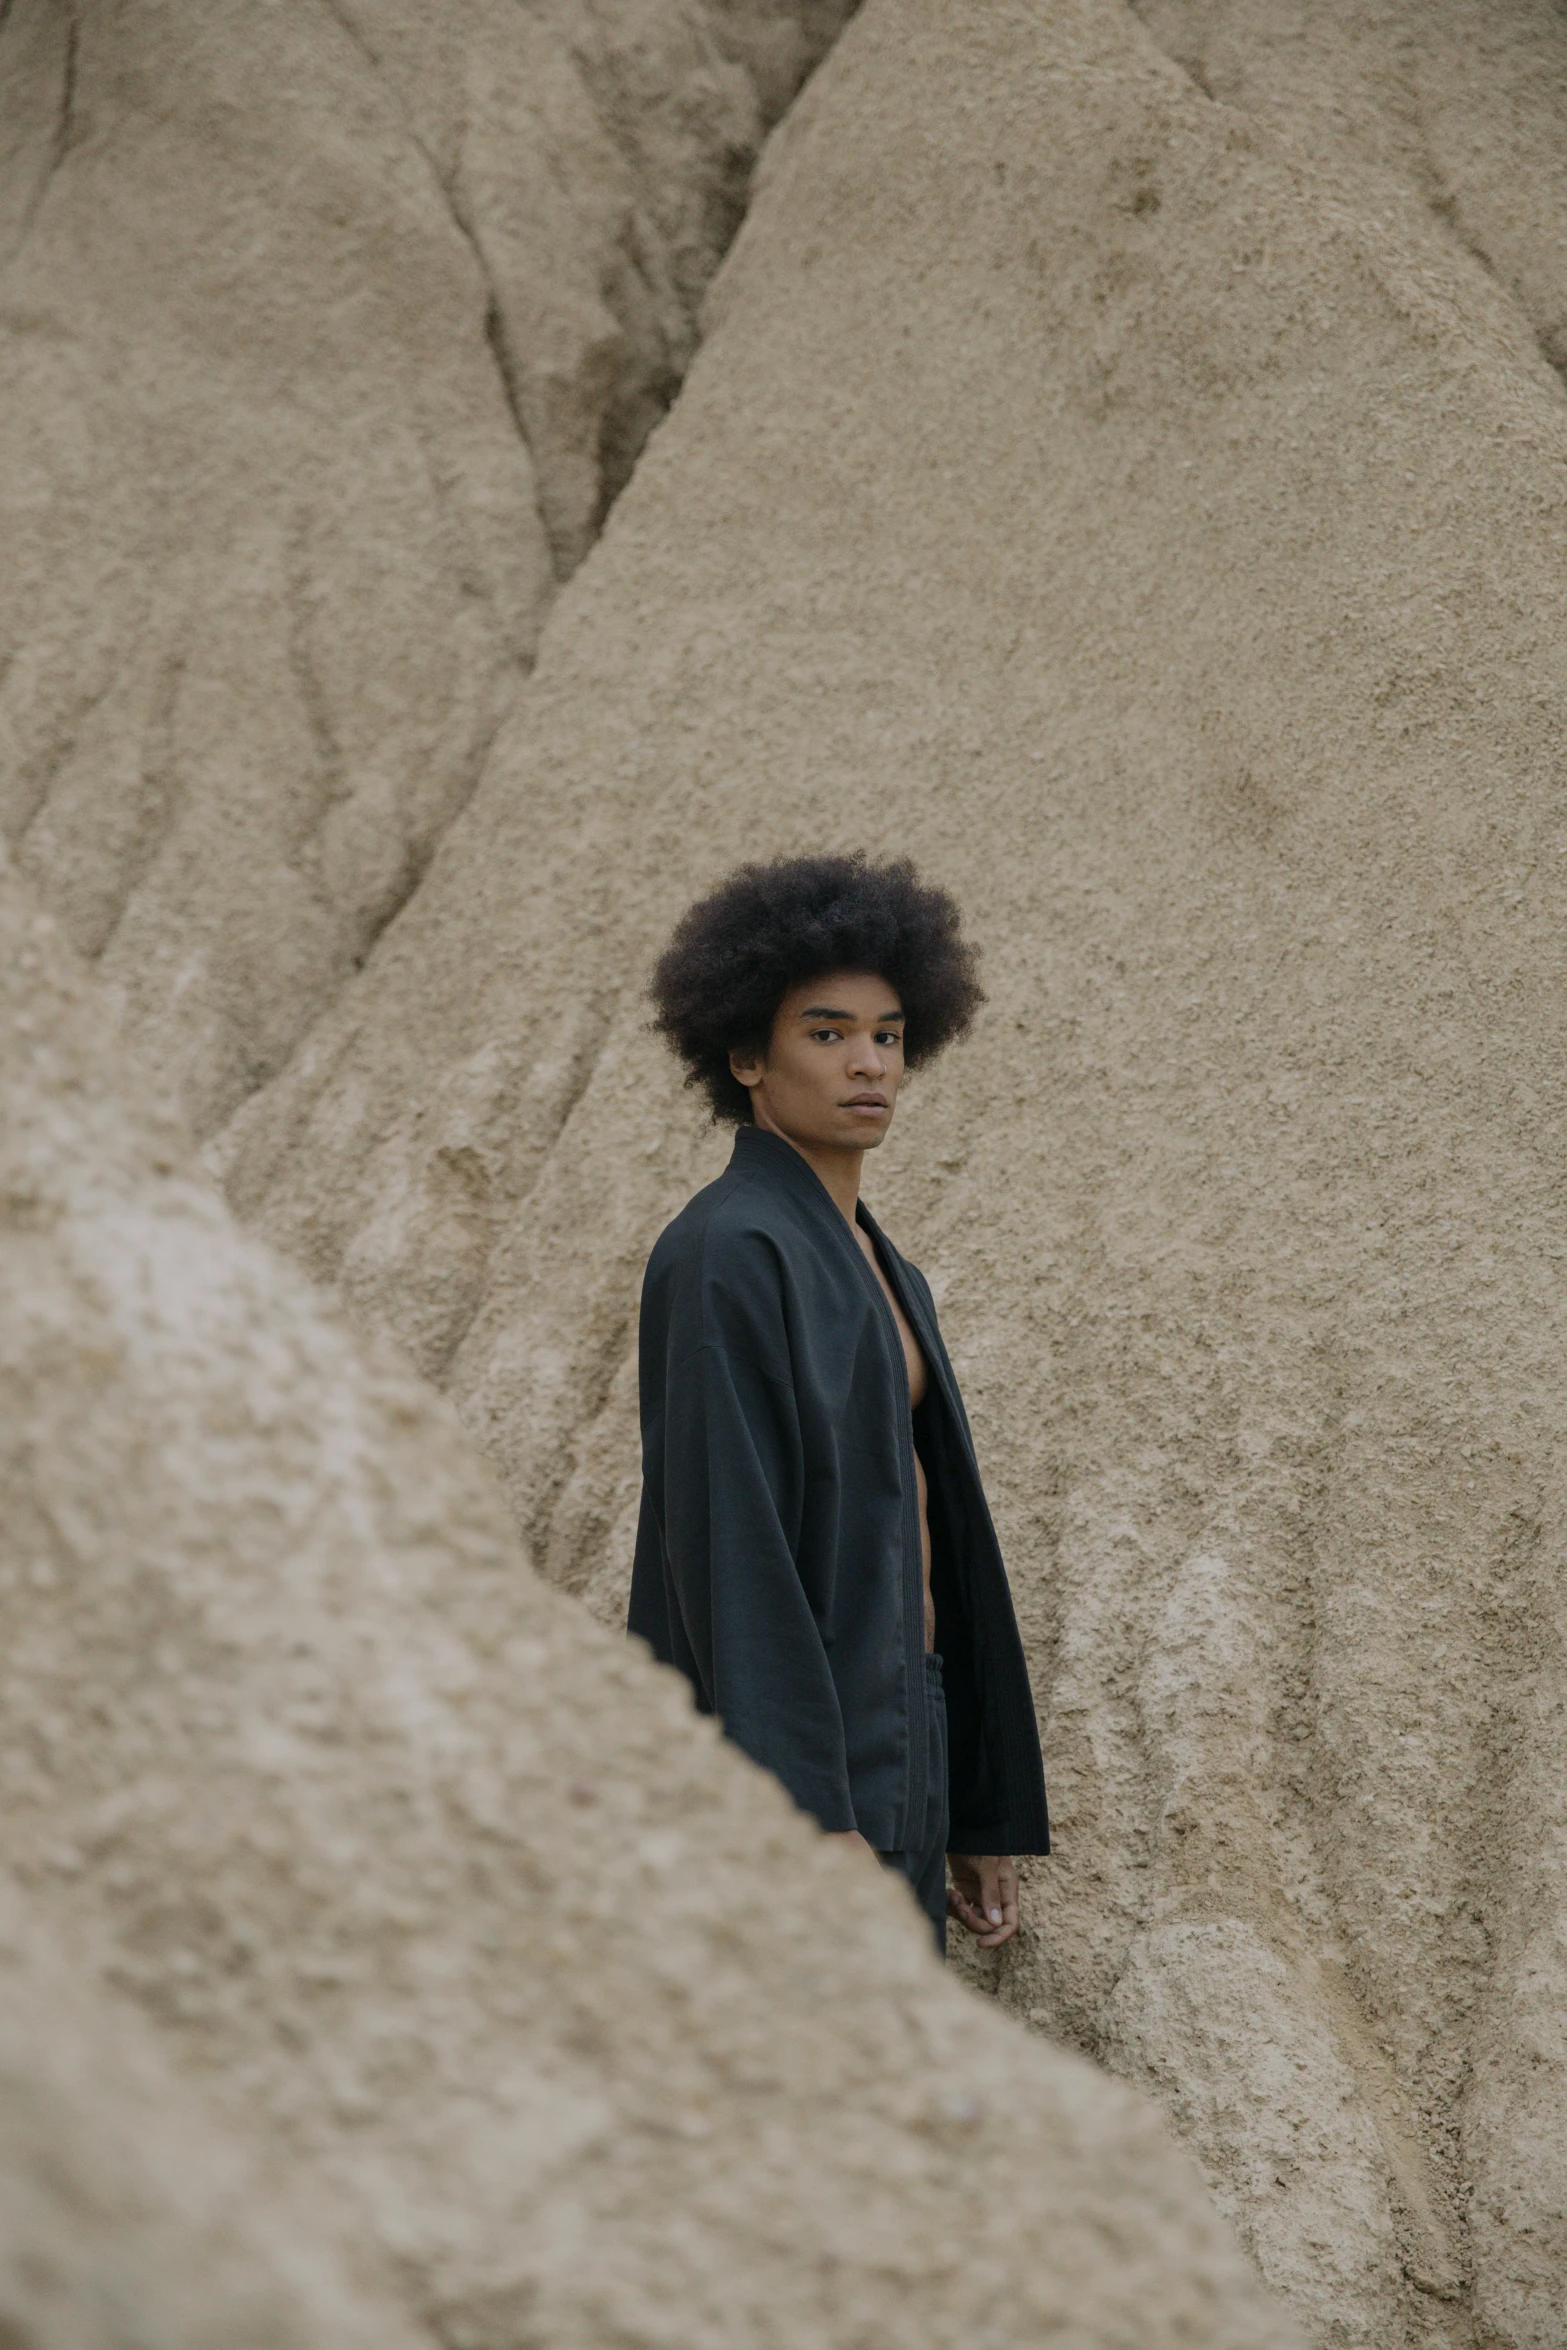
<point>964,1911</point>
<point>993,1936</point>
<point>990,1892</point>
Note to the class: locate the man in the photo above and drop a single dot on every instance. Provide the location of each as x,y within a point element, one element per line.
<point>814,1550</point>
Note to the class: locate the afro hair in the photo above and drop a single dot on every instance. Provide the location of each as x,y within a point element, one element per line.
<point>736,954</point>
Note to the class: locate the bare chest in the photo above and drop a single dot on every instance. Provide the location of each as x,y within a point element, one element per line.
<point>913,1357</point>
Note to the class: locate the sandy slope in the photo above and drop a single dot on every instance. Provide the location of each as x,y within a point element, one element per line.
<point>1456,109</point>
<point>1089,486</point>
<point>326,330</point>
<point>447,1906</point>
<point>128,2218</point>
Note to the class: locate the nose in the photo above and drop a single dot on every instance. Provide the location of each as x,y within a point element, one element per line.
<point>866,1059</point>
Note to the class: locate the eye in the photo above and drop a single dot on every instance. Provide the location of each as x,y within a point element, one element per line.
<point>889,1036</point>
<point>826,1035</point>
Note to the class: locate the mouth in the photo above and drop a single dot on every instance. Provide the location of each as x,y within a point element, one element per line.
<point>865,1101</point>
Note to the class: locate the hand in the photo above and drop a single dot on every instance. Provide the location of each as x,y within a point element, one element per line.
<point>850,1838</point>
<point>983,1896</point>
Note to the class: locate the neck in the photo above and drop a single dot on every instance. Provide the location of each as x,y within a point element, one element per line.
<point>839,1169</point>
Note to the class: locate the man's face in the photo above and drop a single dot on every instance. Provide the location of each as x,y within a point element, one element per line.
<point>833,1065</point>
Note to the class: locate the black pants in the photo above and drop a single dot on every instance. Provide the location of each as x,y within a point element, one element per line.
<point>925,1863</point>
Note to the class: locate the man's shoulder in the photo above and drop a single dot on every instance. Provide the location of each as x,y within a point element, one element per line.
<point>719,1275</point>
<point>728,1222</point>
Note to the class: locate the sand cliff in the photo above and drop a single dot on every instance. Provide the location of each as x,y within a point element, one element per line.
<point>1123,467</point>
<point>328,331</point>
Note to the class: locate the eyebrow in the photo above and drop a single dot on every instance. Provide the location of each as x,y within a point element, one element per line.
<point>830,1012</point>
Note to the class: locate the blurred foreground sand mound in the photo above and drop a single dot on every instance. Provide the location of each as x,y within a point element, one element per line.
<point>448,1907</point>
<point>1147,510</point>
<point>128,2219</point>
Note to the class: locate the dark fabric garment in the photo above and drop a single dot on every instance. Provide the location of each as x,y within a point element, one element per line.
<point>925,1862</point>
<point>778,1550</point>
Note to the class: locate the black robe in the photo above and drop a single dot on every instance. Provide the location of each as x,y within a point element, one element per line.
<point>778,1561</point>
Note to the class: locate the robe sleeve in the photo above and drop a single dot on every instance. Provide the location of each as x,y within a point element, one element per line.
<point>732,1480</point>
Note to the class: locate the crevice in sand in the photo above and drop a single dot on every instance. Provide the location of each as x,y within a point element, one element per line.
<point>330,765</point>
<point>620,446</point>
<point>62,135</point>
<point>631,401</point>
<point>65,123</point>
<point>495,337</point>
<point>1447,209</point>
<point>494,332</point>
<point>164,786</point>
<point>57,758</point>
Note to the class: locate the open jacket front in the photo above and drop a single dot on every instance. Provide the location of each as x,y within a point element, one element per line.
<point>778,1551</point>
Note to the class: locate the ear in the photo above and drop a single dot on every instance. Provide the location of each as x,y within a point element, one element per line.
<point>746,1068</point>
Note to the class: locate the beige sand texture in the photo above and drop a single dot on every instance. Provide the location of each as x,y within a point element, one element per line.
<point>326,330</point>
<point>1456,108</point>
<point>1098,491</point>
<point>127,2220</point>
<point>441,1898</point>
